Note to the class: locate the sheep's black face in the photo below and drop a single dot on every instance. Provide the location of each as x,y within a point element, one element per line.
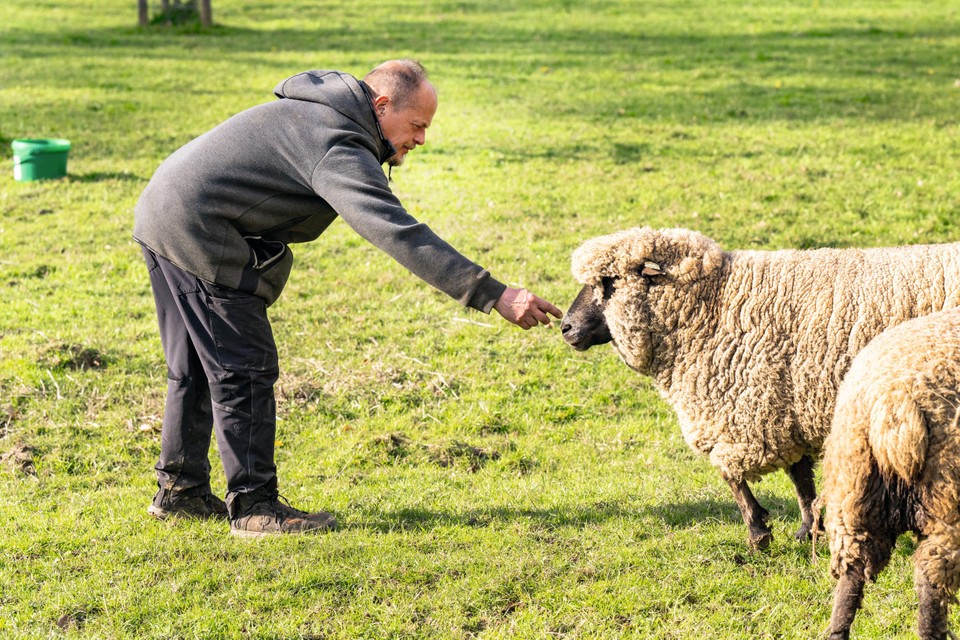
<point>583,324</point>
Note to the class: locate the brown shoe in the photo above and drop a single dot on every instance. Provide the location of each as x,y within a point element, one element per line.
<point>270,516</point>
<point>204,506</point>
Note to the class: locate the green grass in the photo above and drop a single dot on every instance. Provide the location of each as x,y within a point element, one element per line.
<point>491,483</point>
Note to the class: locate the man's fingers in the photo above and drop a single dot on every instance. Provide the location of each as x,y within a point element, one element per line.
<point>542,308</point>
<point>539,316</point>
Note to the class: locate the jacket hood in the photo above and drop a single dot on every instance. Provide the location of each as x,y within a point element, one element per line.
<point>342,92</point>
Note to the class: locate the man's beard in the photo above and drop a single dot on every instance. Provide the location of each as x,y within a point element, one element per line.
<point>396,159</point>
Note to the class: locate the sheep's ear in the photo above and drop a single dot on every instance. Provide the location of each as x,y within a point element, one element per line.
<point>700,263</point>
<point>712,258</point>
<point>651,269</point>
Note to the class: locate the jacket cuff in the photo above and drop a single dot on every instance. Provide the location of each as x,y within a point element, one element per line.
<point>486,294</point>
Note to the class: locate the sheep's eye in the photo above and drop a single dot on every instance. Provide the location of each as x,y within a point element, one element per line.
<point>609,284</point>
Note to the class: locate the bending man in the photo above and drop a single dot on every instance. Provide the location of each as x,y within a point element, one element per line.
<point>215,224</point>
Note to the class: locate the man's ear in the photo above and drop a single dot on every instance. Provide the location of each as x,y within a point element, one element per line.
<point>380,103</point>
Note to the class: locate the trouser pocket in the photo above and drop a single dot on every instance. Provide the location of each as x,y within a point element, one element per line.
<point>241,331</point>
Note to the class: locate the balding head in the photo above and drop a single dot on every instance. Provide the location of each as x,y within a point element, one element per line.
<point>400,80</point>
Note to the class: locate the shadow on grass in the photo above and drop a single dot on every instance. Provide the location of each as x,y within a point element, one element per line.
<point>103,176</point>
<point>678,515</point>
<point>418,519</point>
<point>788,74</point>
<point>673,515</point>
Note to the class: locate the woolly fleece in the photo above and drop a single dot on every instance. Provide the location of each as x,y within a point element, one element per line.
<point>892,460</point>
<point>750,347</point>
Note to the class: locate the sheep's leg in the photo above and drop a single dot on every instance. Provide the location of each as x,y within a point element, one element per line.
<point>931,559</point>
<point>847,597</point>
<point>933,609</point>
<point>873,551</point>
<point>801,472</point>
<point>754,516</point>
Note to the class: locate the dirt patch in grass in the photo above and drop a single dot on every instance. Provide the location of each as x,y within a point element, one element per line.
<point>449,454</point>
<point>74,357</point>
<point>8,415</point>
<point>74,620</point>
<point>397,446</point>
<point>37,273</point>
<point>20,459</point>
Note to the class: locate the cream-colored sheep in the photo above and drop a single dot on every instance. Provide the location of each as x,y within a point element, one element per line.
<point>749,347</point>
<point>892,464</point>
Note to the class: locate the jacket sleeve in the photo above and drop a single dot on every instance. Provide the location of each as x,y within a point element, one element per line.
<point>351,181</point>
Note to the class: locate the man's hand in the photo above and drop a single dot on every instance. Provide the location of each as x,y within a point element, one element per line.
<point>524,309</point>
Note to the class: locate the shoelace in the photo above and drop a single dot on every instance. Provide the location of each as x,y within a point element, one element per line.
<point>287,509</point>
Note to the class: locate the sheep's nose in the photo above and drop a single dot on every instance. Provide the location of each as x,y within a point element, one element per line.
<point>565,327</point>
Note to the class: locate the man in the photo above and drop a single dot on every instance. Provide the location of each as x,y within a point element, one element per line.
<point>215,224</point>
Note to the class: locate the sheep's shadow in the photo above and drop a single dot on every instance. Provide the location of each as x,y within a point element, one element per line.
<point>680,515</point>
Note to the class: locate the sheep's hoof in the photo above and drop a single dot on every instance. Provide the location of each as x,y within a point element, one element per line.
<point>805,532</point>
<point>760,540</point>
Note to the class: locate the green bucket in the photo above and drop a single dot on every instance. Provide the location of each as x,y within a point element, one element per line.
<point>39,158</point>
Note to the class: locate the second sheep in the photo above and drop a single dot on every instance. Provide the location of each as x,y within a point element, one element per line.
<point>892,464</point>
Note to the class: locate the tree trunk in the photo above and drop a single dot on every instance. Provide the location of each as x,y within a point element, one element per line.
<point>206,14</point>
<point>176,11</point>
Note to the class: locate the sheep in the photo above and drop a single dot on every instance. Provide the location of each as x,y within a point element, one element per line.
<point>892,464</point>
<point>749,347</point>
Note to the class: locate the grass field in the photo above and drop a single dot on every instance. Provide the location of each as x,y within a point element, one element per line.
<point>490,482</point>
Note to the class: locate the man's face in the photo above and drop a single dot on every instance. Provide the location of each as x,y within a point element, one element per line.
<point>407,128</point>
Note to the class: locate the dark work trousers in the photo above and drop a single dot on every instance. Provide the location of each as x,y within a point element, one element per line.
<point>221,368</point>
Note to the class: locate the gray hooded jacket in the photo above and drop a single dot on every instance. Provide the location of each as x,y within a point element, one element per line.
<point>226,205</point>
